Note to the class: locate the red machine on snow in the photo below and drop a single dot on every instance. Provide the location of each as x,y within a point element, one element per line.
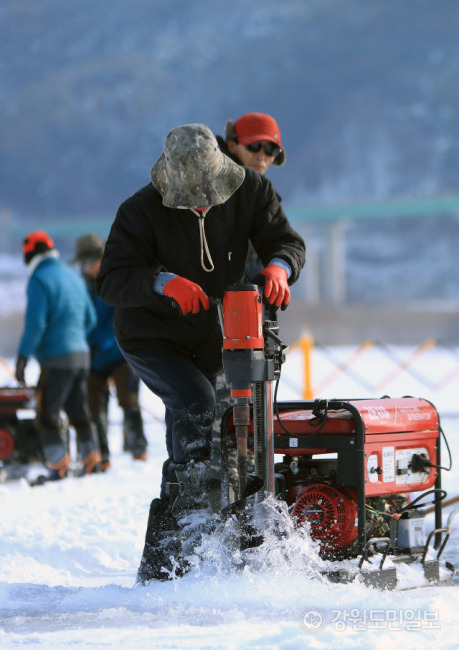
<point>347,468</point>
<point>18,436</point>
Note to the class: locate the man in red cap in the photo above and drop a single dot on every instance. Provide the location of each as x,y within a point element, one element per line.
<point>253,140</point>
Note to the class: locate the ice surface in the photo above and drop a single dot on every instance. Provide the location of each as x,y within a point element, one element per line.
<point>69,553</point>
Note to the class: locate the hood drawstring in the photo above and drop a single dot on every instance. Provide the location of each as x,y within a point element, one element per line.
<point>202,235</point>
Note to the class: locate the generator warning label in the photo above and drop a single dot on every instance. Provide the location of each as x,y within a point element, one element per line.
<point>388,459</point>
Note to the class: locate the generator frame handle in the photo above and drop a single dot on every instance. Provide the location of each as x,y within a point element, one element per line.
<point>375,540</point>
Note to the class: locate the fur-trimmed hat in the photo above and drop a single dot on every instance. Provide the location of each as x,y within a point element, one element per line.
<point>252,127</point>
<point>192,171</point>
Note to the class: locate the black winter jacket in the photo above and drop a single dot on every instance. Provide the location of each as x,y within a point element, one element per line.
<point>253,265</point>
<point>147,238</point>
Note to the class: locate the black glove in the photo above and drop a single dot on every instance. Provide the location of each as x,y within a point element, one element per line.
<point>20,369</point>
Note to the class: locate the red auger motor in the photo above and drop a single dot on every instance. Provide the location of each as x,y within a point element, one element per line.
<point>250,366</point>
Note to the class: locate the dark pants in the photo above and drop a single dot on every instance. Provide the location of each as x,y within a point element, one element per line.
<point>188,396</point>
<point>126,384</point>
<point>127,391</point>
<point>63,389</point>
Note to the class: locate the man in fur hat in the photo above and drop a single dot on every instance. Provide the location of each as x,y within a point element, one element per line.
<point>177,243</point>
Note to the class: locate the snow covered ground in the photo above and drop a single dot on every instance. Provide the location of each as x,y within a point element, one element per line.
<point>69,552</point>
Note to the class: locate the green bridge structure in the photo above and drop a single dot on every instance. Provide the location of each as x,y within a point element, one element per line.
<point>401,207</point>
<point>324,279</point>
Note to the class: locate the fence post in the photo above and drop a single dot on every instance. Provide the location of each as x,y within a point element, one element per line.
<point>306,345</point>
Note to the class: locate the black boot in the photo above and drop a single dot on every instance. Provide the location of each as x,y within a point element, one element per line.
<point>161,558</point>
<point>188,484</point>
<point>188,489</point>
<point>134,437</point>
<point>101,424</point>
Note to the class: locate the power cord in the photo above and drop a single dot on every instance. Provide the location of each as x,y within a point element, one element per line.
<point>419,463</point>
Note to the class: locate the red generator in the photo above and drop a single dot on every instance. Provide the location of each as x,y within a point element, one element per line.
<point>19,441</point>
<point>356,472</point>
<point>352,470</point>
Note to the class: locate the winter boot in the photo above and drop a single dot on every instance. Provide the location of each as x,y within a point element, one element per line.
<point>188,484</point>
<point>101,424</point>
<point>161,557</point>
<point>56,472</point>
<point>87,452</point>
<point>188,490</point>
<point>92,462</point>
<point>59,470</point>
<point>134,437</point>
<point>56,454</point>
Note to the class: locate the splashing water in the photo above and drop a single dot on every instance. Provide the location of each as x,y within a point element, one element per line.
<point>285,548</point>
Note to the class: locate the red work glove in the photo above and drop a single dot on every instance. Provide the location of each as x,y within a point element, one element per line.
<point>189,295</point>
<point>277,290</point>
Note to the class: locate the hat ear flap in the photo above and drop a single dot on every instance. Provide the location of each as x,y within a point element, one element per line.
<point>230,133</point>
<point>280,159</point>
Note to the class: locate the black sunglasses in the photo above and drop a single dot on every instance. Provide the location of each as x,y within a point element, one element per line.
<point>270,149</point>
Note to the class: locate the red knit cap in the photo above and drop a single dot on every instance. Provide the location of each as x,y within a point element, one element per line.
<point>253,127</point>
<point>37,240</point>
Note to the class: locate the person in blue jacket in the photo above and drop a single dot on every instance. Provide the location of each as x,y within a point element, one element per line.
<point>59,316</point>
<point>107,362</point>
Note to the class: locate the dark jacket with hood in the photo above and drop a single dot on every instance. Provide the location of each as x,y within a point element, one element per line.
<point>253,264</point>
<point>147,238</point>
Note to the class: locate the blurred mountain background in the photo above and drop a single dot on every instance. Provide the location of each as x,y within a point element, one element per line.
<point>365,93</point>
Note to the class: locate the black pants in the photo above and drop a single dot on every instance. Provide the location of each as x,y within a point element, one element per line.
<point>63,389</point>
<point>188,396</point>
